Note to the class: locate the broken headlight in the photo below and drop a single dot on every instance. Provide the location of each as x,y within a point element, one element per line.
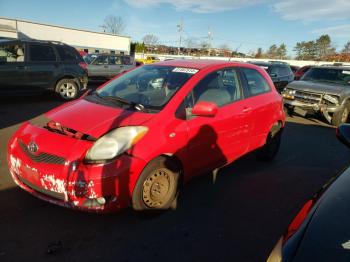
<point>115,143</point>
<point>331,98</point>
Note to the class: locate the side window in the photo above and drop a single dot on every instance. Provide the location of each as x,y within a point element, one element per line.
<point>11,53</point>
<point>101,60</point>
<point>256,82</point>
<point>41,53</point>
<point>67,54</point>
<point>221,87</point>
<point>115,60</point>
<point>127,60</point>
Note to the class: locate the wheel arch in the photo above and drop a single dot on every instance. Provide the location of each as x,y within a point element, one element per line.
<point>66,77</point>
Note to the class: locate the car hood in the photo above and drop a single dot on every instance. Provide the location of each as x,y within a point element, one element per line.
<point>317,87</point>
<point>327,235</point>
<point>95,119</point>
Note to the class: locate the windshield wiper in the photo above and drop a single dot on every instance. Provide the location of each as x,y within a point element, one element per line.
<point>137,106</point>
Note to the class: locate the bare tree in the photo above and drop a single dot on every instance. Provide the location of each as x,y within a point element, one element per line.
<point>114,24</point>
<point>191,42</point>
<point>150,40</point>
<point>224,47</point>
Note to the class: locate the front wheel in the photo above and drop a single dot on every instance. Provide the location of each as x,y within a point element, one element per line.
<point>67,89</point>
<point>342,116</point>
<point>157,186</point>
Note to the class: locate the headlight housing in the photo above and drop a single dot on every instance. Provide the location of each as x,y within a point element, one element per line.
<point>331,98</point>
<point>115,143</point>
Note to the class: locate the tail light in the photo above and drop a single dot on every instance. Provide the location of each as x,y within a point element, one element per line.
<point>84,66</point>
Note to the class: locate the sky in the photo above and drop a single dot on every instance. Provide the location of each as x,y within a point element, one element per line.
<point>242,25</point>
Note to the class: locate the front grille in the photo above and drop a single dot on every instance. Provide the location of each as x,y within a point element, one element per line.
<point>42,157</point>
<point>307,97</point>
<point>41,190</point>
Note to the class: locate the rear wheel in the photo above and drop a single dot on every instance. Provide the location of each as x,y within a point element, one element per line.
<point>342,116</point>
<point>271,147</point>
<point>157,186</point>
<point>67,89</point>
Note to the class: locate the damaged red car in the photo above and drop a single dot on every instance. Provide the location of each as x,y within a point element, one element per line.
<point>137,138</point>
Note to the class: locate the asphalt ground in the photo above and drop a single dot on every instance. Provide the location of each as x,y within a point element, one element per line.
<point>237,217</point>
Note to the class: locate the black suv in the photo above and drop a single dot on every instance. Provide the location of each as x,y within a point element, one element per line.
<point>32,66</point>
<point>280,73</point>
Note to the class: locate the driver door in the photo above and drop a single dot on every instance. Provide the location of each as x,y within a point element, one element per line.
<point>215,141</point>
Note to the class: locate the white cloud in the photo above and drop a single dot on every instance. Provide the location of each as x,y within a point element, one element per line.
<point>197,6</point>
<point>312,10</point>
<point>304,10</point>
<point>342,31</point>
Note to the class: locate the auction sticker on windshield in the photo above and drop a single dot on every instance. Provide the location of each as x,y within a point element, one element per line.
<point>185,70</point>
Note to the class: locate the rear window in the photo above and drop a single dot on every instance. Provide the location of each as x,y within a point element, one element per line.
<point>256,82</point>
<point>41,53</point>
<point>68,54</point>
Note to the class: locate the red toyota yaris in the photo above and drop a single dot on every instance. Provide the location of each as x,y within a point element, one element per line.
<point>135,139</point>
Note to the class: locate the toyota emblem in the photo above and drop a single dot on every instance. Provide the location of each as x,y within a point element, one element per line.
<point>32,147</point>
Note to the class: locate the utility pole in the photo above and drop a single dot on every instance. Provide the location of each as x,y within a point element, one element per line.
<point>210,38</point>
<point>180,28</point>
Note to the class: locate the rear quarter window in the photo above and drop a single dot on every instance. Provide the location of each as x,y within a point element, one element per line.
<point>68,54</point>
<point>256,83</point>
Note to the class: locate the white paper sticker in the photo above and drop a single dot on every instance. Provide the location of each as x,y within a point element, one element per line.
<point>346,72</point>
<point>185,70</point>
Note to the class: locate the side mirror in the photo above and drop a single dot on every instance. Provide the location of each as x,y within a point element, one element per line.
<point>205,108</point>
<point>343,134</point>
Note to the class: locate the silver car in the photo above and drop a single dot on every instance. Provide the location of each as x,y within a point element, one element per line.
<point>106,66</point>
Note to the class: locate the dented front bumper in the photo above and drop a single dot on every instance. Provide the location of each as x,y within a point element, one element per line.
<point>312,108</point>
<point>73,184</point>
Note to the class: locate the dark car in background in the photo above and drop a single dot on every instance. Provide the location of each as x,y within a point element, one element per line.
<point>323,89</point>
<point>107,66</point>
<point>280,72</point>
<point>301,71</point>
<point>32,66</point>
<point>321,229</point>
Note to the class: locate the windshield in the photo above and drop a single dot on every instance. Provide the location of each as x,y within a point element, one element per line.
<point>333,75</point>
<point>150,86</point>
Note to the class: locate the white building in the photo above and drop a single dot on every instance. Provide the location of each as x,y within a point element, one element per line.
<point>91,42</point>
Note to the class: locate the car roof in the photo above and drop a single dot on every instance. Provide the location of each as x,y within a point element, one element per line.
<point>198,63</point>
<point>333,67</point>
<point>15,41</point>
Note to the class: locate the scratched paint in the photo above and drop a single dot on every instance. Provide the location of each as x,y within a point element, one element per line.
<point>15,164</point>
<point>49,182</point>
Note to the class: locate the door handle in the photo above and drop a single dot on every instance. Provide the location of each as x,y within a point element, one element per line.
<point>106,66</point>
<point>246,110</point>
<point>20,67</point>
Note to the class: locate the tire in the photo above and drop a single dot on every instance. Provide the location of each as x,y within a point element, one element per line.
<point>67,89</point>
<point>157,186</point>
<point>271,147</point>
<point>287,111</point>
<point>342,116</point>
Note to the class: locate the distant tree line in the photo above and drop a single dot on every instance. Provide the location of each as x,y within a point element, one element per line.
<point>321,49</point>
